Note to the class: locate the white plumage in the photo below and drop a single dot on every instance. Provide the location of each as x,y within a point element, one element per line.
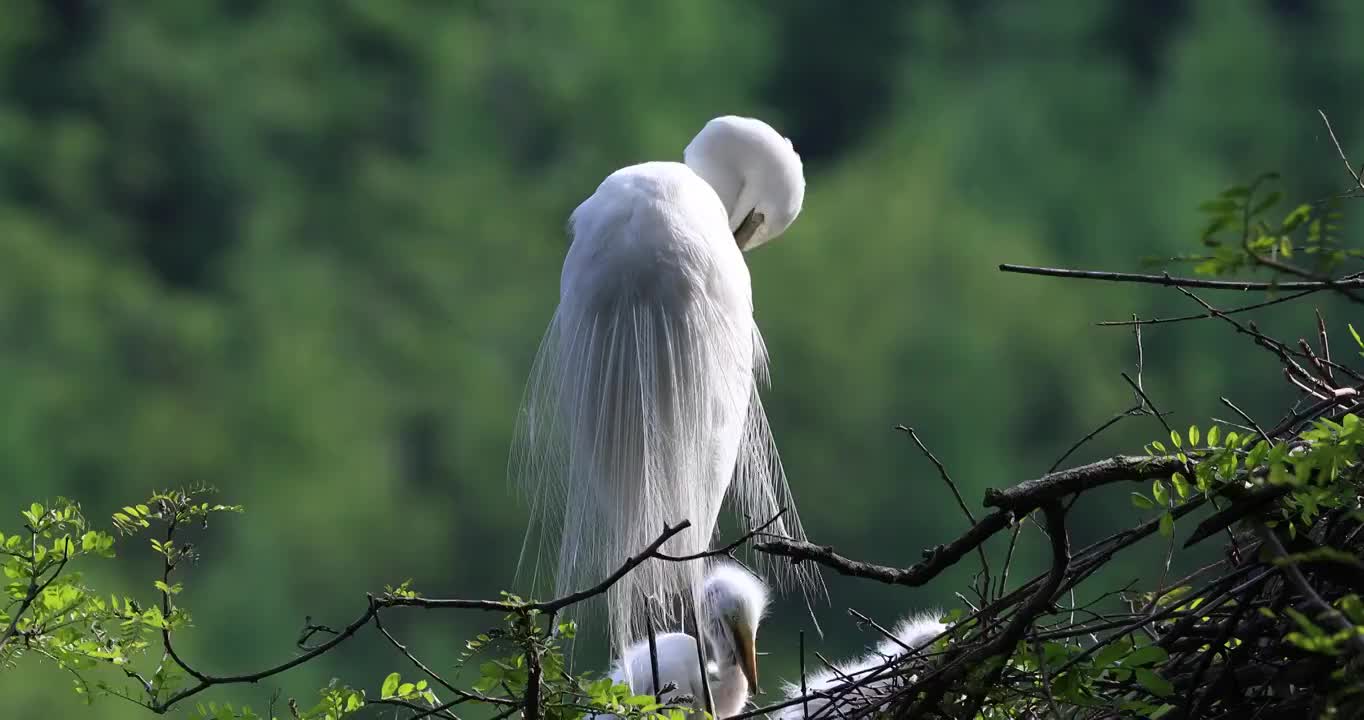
<point>735,601</point>
<point>642,408</point>
<point>837,692</point>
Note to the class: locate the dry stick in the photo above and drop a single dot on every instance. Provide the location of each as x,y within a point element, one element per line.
<point>1031,494</point>
<point>1325,344</point>
<point>1142,394</point>
<point>420,665</point>
<point>1093,434</point>
<point>1248,419</point>
<point>1008,560</point>
<point>1205,316</point>
<point>1188,466</point>
<point>862,617</point>
<point>1323,371</point>
<point>709,702</point>
<point>961,503</point>
<point>1012,502</point>
<point>548,606</point>
<point>413,707</point>
<point>1171,281</point>
<point>1358,181</point>
<point>653,649</point>
<point>1141,352</point>
<point>804,693</point>
<point>727,550</point>
<point>850,683</point>
<point>1284,352</point>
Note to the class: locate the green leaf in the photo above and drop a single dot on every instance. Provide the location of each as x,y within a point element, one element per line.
<point>1157,685</point>
<point>390,685</point>
<point>1141,502</point>
<point>1160,712</point>
<point>1159,492</point>
<point>1181,485</point>
<point>1298,216</point>
<point>1306,624</point>
<point>1112,653</point>
<point>1355,333</point>
<point>1167,525</point>
<point>1213,433</point>
<point>1141,657</point>
<point>1174,438</point>
<point>1193,436</point>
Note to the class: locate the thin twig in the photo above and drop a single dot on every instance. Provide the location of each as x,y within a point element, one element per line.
<point>804,693</point>
<point>961,503</point>
<point>1205,316</point>
<point>1142,394</point>
<point>727,550</point>
<point>653,649</point>
<point>1348,168</point>
<point>1093,434</point>
<point>550,605</point>
<point>1247,418</point>
<point>1170,281</point>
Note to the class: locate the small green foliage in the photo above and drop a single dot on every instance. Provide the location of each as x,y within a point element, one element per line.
<point>51,615</point>
<point>54,617</point>
<point>403,590</point>
<point>1241,233</point>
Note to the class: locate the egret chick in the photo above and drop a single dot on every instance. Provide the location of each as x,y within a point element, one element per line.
<point>735,601</point>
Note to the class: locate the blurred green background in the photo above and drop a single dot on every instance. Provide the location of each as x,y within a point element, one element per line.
<point>303,252</point>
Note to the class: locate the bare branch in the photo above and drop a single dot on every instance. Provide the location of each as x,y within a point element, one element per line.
<point>1170,281</point>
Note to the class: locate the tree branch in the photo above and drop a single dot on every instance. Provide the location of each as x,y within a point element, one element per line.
<point>1170,281</point>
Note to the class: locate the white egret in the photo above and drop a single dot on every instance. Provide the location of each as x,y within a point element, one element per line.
<point>838,691</point>
<point>735,601</point>
<point>642,407</point>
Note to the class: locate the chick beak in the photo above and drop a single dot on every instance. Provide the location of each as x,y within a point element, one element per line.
<point>744,234</point>
<point>744,642</point>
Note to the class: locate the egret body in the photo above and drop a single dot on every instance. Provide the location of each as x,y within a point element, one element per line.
<point>642,408</point>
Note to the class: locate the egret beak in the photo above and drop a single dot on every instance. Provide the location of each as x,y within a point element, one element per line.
<point>744,234</point>
<point>748,657</point>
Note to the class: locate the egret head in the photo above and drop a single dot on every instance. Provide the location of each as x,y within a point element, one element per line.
<point>736,601</point>
<point>755,171</point>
